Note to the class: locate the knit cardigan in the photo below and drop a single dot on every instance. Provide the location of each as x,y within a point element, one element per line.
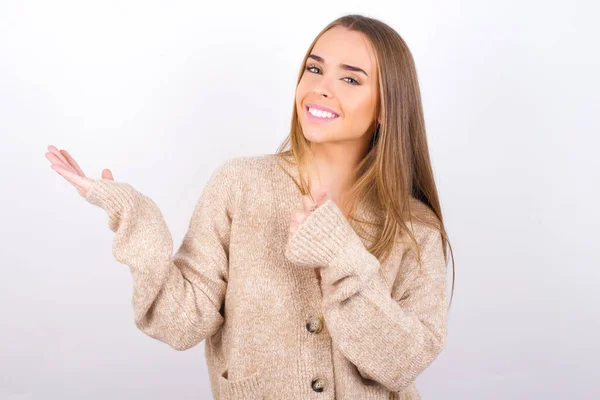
<point>313,315</point>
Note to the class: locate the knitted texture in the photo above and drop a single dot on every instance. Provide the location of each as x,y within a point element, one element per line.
<point>239,282</point>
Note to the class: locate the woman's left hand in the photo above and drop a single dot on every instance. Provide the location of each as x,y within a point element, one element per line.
<point>299,216</point>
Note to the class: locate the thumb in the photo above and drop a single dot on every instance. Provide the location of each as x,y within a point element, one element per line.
<point>106,174</point>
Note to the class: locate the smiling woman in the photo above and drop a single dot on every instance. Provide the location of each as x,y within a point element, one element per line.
<point>329,280</point>
<point>338,86</point>
<point>358,129</point>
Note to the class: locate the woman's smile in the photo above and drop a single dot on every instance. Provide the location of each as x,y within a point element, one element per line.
<point>319,114</point>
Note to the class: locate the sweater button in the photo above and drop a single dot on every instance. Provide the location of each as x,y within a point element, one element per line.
<point>318,385</point>
<point>314,325</point>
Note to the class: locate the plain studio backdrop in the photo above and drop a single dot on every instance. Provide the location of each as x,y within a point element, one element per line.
<point>162,93</point>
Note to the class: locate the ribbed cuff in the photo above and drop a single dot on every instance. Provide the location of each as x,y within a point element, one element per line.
<point>355,260</point>
<point>114,197</point>
<point>321,237</point>
<point>326,239</point>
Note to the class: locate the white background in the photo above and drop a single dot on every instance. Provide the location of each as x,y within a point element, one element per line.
<point>162,93</point>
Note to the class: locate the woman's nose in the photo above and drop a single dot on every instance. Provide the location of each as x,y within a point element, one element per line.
<point>323,92</point>
<point>323,88</point>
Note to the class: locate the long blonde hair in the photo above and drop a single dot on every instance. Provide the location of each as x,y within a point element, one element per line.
<point>397,167</point>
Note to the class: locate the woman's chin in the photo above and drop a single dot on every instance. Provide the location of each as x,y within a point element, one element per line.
<point>316,136</point>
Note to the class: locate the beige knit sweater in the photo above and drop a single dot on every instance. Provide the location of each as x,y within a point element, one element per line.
<point>306,318</point>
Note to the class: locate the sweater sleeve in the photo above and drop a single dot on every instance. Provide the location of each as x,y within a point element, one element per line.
<point>177,298</point>
<point>390,338</point>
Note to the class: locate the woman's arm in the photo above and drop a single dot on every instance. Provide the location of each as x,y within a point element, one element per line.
<point>390,339</point>
<point>176,298</point>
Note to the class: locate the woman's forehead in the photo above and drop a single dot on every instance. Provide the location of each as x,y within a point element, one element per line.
<point>343,46</point>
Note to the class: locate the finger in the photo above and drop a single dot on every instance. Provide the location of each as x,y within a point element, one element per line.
<point>107,174</point>
<point>54,150</point>
<point>299,216</point>
<point>293,227</point>
<point>72,162</point>
<point>72,177</point>
<point>321,196</point>
<point>56,161</point>
<point>307,203</point>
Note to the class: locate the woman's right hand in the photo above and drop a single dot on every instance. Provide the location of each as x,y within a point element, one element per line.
<point>65,165</point>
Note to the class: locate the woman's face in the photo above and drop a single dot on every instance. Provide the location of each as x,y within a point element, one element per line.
<point>340,76</point>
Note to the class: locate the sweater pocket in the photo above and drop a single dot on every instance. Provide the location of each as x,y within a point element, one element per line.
<point>250,387</point>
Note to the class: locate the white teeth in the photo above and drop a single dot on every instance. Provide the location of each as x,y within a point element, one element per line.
<point>320,113</point>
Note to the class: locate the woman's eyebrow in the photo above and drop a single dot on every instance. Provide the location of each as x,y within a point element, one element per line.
<point>343,66</point>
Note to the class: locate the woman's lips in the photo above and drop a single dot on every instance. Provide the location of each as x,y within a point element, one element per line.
<point>318,120</point>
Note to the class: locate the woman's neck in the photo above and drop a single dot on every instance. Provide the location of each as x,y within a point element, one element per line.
<point>335,169</point>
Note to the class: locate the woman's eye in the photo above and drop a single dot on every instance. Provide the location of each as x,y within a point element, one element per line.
<point>312,68</point>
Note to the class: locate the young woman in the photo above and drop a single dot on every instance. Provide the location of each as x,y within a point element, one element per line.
<point>317,272</point>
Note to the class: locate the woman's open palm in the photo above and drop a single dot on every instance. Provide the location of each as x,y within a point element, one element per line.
<point>65,165</point>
